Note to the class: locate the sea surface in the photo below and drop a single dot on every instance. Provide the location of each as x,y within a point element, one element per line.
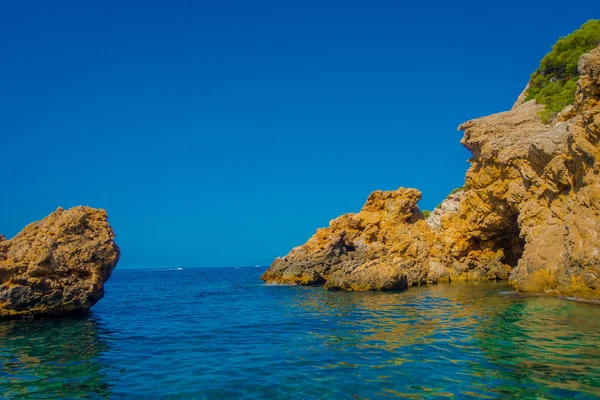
<point>222,334</point>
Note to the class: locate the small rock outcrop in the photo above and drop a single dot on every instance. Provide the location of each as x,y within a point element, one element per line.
<point>371,250</point>
<point>529,212</point>
<point>58,265</point>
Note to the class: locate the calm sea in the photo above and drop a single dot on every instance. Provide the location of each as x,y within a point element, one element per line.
<point>222,334</point>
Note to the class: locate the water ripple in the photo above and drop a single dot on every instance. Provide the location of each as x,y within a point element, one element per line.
<point>221,334</point>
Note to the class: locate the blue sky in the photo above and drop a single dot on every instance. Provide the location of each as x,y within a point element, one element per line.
<point>224,133</point>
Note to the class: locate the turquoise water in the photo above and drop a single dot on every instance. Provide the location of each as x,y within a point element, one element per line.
<point>222,334</point>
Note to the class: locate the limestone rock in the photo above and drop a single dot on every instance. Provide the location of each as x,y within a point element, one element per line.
<point>529,212</point>
<point>521,99</point>
<point>57,265</point>
<point>449,206</point>
<point>566,113</point>
<point>371,250</point>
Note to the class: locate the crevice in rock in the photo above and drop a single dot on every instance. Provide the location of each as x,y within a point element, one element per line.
<point>510,241</point>
<point>505,237</point>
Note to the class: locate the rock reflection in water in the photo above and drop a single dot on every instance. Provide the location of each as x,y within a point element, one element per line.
<point>52,358</point>
<point>550,342</point>
<point>440,337</point>
<point>220,334</point>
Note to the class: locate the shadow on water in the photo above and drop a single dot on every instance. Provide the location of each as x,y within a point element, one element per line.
<point>52,358</point>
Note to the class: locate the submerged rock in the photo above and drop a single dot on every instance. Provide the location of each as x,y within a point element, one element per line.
<point>58,265</point>
<point>529,212</point>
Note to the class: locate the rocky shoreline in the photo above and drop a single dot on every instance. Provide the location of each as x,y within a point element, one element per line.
<point>529,213</point>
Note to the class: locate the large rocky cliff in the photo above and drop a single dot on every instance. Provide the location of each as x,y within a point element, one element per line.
<point>529,212</point>
<point>58,265</point>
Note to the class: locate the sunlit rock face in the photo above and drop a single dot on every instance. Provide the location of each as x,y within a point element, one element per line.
<point>382,247</point>
<point>57,265</point>
<point>529,213</point>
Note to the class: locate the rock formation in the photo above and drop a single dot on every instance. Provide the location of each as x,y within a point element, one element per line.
<point>379,248</point>
<point>529,212</point>
<point>57,265</point>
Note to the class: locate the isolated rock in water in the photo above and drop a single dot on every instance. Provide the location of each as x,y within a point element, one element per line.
<point>57,265</point>
<point>529,212</point>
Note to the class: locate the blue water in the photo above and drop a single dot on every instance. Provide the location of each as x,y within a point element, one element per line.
<point>222,334</point>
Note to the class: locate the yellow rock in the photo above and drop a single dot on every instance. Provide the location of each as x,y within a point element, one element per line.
<point>529,212</point>
<point>57,265</point>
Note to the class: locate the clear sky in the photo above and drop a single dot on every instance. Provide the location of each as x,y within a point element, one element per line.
<point>220,133</point>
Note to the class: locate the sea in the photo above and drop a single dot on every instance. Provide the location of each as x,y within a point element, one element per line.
<point>221,333</point>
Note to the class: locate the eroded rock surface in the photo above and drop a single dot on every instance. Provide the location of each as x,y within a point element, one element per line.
<point>371,250</point>
<point>57,265</point>
<point>529,212</point>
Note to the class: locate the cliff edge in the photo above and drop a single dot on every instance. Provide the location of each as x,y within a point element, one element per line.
<point>529,212</point>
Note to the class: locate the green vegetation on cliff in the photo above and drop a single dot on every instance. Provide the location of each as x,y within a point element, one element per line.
<point>555,81</point>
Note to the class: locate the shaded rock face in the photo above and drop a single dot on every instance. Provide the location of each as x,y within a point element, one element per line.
<point>529,212</point>
<point>57,265</point>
